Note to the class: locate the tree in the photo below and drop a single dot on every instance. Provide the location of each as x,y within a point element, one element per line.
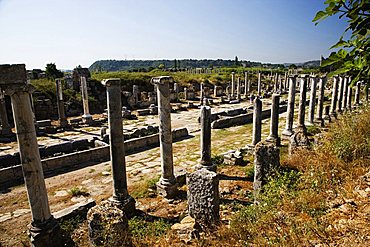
<point>353,54</point>
<point>236,61</point>
<point>52,72</point>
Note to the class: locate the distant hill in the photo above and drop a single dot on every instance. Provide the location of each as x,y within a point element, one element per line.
<point>306,65</point>
<point>119,65</point>
<point>129,65</point>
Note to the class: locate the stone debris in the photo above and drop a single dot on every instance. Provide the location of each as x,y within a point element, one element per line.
<point>233,157</point>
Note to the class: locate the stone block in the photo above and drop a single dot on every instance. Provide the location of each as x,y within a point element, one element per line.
<point>203,198</point>
<point>108,226</point>
<point>13,74</point>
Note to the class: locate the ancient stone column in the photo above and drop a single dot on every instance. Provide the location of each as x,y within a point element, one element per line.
<point>320,101</point>
<point>302,104</point>
<point>274,122</point>
<point>345,93</point>
<point>43,230</point>
<point>205,138</point>
<point>185,93</point>
<point>259,85</point>
<point>203,198</point>
<point>60,102</point>
<point>357,94</point>
<point>340,94</point>
<point>166,186</point>
<point>276,82</point>
<point>311,109</point>
<point>86,117</point>
<point>257,121</point>
<point>117,149</point>
<point>232,85</point>
<point>177,90</point>
<point>201,94</point>
<point>238,88</point>
<point>349,98</point>
<point>246,85</point>
<point>288,131</point>
<point>366,92</point>
<point>266,164</point>
<point>5,126</point>
<point>334,97</point>
<point>327,113</point>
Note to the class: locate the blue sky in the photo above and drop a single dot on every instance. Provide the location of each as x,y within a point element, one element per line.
<point>79,32</point>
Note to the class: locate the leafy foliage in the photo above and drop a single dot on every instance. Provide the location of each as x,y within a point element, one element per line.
<point>353,55</point>
<point>52,72</point>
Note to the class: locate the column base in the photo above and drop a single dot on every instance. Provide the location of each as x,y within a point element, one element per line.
<point>126,205</point>
<point>275,140</point>
<point>46,235</point>
<point>320,121</point>
<point>167,188</point>
<point>309,123</point>
<point>210,167</point>
<point>333,115</point>
<point>287,133</point>
<point>63,123</point>
<point>87,119</point>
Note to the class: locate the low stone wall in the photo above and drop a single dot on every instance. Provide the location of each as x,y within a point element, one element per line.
<point>13,175</point>
<point>242,119</point>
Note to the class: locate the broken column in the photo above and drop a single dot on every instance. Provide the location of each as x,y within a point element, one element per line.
<point>44,229</point>
<point>276,83</point>
<point>201,94</point>
<point>288,131</point>
<point>257,121</point>
<point>238,88</point>
<point>334,97</point>
<point>166,186</point>
<point>327,113</point>
<point>60,102</point>
<point>311,109</point>
<point>185,93</point>
<point>203,198</point>
<point>117,149</point>
<point>205,138</point>
<point>266,164</point>
<point>366,92</point>
<point>357,94</point>
<point>340,94</point>
<point>274,122</point>
<point>86,117</point>
<point>232,85</point>
<point>302,104</point>
<point>320,100</point>
<point>135,93</point>
<point>177,90</point>
<point>5,129</point>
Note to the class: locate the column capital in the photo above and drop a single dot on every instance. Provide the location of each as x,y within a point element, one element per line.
<point>13,74</point>
<point>161,80</point>
<point>111,82</point>
<point>15,88</point>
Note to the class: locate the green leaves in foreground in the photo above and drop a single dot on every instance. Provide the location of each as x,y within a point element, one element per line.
<point>353,56</point>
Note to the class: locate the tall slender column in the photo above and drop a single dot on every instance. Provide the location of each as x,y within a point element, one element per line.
<point>259,85</point>
<point>166,186</point>
<point>357,94</point>
<point>274,122</point>
<point>205,138</point>
<point>276,83</point>
<point>232,85</point>
<point>288,131</point>
<point>43,229</point>
<point>257,121</point>
<point>86,117</point>
<point>5,126</point>
<point>345,93</point>
<point>60,102</point>
<point>320,101</point>
<point>349,98</point>
<point>302,104</point>
<point>334,97</point>
<point>238,88</point>
<point>340,94</point>
<point>246,85</point>
<point>116,146</point>
<point>311,110</point>
<point>201,94</point>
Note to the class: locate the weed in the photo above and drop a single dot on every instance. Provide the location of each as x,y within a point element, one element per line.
<point>141,229</point>
<point>78,191</point>
<point>145,188</point>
